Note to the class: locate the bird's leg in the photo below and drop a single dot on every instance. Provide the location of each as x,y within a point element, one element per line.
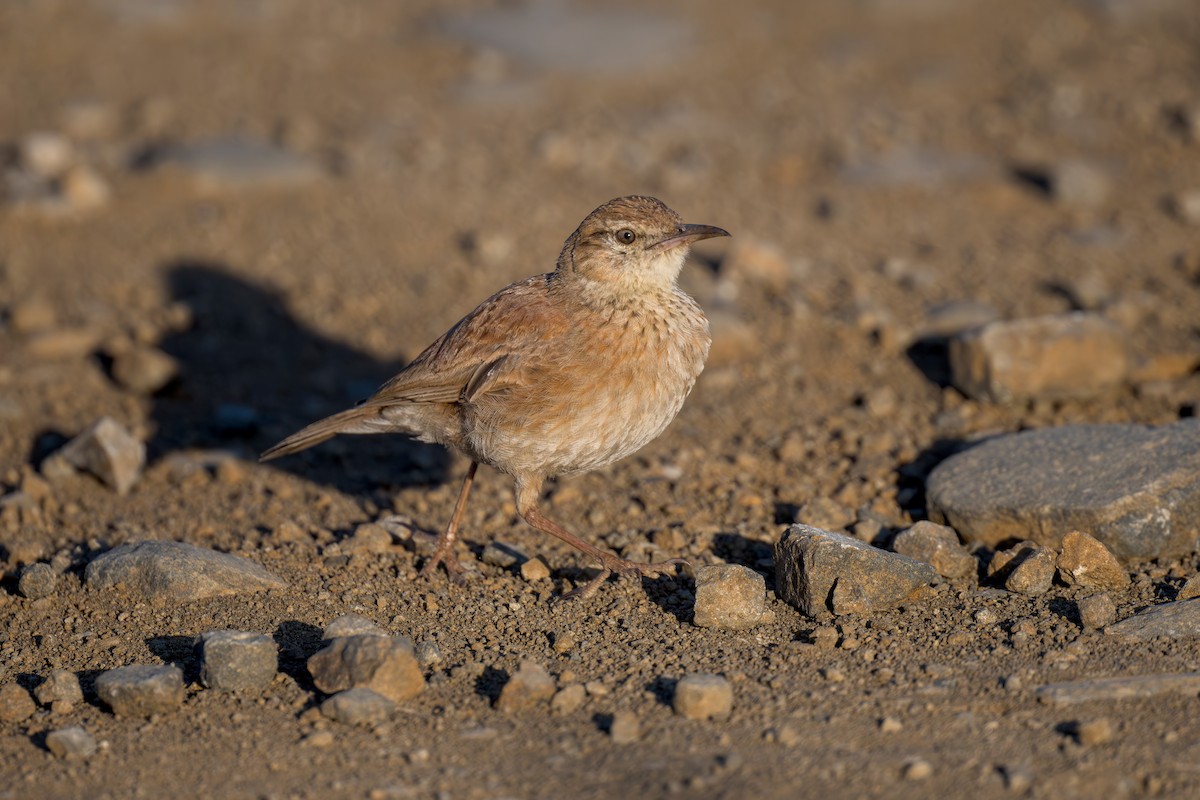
<point>444,554</point>
<point>527,506</point>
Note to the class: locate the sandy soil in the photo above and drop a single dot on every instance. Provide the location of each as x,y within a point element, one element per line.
<point>900,155</point>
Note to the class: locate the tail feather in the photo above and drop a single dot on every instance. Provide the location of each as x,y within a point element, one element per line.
<point>354,420</point>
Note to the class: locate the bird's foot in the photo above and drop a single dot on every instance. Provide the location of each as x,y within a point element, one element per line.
<point>449,561</point>
<point>620,566</point>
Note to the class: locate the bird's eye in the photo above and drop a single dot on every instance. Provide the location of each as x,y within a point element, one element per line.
<point>626,236</point>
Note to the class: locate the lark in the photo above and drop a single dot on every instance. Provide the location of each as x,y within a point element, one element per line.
<point>557,374</point>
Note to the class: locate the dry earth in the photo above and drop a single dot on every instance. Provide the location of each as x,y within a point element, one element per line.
<point>401,161</point>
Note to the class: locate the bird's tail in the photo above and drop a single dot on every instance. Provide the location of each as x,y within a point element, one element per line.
<point>354,420</point>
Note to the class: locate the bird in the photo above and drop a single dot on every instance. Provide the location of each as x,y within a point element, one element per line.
<point>560,373</point>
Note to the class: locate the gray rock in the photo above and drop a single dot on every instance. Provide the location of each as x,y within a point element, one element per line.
<point>730,596</point>
<point>1086,562</point>
<point>358,706</point>
<point>1135,488</point>
<point>351,625</point>
<point>703,696</point>
<point>177,571</point>
<point>142,690</point>
<point>944,320</point>
<point>429,654</point>
<point>384,664</point>
<point>1096,611</point>
<point>529,686</point>
<point>499,554</point>
<point>109,452</point>
<point>1077,183</point>
<point>1177,620</point>
<point>1072,355</point>
<point>1133,687</point>
<point>60,686</point>
<point>237,162</point>
<point>144,370</point>
<point>938,546</point>
<point>15,703</point>
<point>815,569</point>
<point>37,581</point>
<point>237,661</point>
<point>73,742</point>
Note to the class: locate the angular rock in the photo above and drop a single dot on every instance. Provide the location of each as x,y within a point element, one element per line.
<point>60,686</point>
<point>237,661</point>
<point>730,596</point>
<point>1133,687</point>
<point>1190,588</point>
<point>1088,563</point>
<point>141,690</point>
<point>37,581</point>
<point>703,696</point>
<point>568,699</point>
<point>384,664</point>
<point>1032,572</point>
<point>1135,488</point>
<point>1073,355</point>
<point>1177,620</point>
<point>938,546</point>
<point>1096,611</point>
<point>358,706</point>
<point>351,625</point>
<point>144,369</point>
<point>529,686</point>
<point>73,742</point>
<point>535,570</point>
<point>109,452</point>
<point>810,563</point>
<point>177,571</point>
<point>15,703</point>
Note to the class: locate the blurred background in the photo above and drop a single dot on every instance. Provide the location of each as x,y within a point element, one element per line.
<point>289,199</point>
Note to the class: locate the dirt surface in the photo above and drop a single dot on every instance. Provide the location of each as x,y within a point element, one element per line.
<point>899,155</point>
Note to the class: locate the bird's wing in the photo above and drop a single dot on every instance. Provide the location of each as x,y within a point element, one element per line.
<point>487,350</point>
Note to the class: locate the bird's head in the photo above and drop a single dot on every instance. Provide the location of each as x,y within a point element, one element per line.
<point>632,243</point>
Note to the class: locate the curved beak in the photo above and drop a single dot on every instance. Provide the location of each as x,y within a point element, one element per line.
<point>686,234</point>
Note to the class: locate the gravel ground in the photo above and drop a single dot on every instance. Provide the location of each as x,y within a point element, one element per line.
<point>222,220</point>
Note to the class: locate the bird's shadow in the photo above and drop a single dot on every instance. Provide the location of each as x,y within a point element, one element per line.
<point>251,373</point>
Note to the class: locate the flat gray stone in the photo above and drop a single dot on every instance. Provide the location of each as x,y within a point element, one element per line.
<point>1072,355</point>
<point>237,661</point>
<point>1177,620</point>
<point>177,571</point>
<point>73,742</point>
<point>820,571</point>
<point>1133,687</point>
<point>358,706</point>
<point>141,690</point>
<point>109,452</point>
<point>234,162</point>
<point>731,597</point>
<point>351,625</point>
<point>1135,488</point>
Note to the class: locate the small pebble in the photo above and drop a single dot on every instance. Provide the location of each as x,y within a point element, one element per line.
<point>703,696</point>
<point>626,727</point>
<point>141,690</point>
<point>568,699</point>
<point>890,725</point>
<point>37,581</point>
<point>1095,732</point>
<point>1097,611</point>
<point>535,570</point>
<point>358,706</point>
<point>429,654</point>
<point>15,703</point>
<point>60,686</point>
<point>237,661</point>
<point>529,686</point>
<point>917,770</point>
<point>729,597</point>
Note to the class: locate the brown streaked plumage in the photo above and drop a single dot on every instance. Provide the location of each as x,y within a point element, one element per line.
<point>556,374</point>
